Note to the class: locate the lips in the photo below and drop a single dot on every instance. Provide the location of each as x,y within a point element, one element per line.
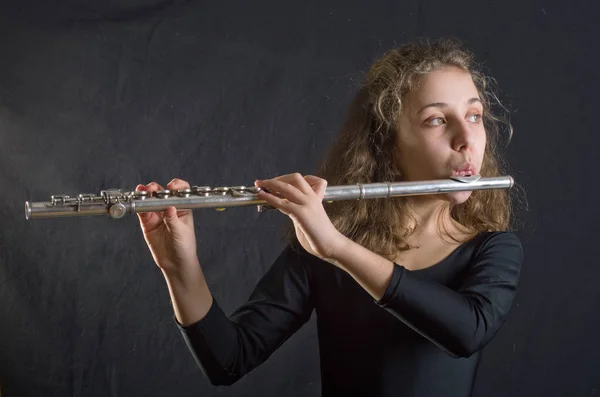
<point>466,169</point>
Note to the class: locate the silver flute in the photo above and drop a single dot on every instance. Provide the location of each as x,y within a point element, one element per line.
<point>117,203</point>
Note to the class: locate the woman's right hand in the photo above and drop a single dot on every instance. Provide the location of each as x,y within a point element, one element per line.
<point>169,234</point>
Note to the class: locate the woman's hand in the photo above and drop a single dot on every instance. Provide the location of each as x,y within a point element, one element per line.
<point>301,198</point>
<point>169,234</point>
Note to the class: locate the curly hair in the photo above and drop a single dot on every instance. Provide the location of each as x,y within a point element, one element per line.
<point>362,152</point>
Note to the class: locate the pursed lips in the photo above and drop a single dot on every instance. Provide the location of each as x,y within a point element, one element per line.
<point>465,170</point>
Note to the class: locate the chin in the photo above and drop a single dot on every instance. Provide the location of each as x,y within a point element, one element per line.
<point>456,198</point>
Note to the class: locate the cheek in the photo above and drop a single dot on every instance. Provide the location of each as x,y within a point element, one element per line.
<point>422,152</point>
<point>481,145</point>
<point>420,143</point>
<point>430,159</point>
<point>434,151</point>
<point>482,138</point>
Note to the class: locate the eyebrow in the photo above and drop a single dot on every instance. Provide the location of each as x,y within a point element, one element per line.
<point>445,105</point>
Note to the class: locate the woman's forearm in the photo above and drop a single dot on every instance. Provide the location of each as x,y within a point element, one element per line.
<point>190,295</point>
<point>370,270</point>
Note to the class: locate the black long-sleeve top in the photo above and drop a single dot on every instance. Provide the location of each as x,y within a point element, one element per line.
<point>423,338</point>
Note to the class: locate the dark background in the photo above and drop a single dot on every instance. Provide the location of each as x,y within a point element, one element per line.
<point>100,94</point>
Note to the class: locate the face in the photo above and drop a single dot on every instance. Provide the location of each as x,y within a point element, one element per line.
<point>441,132</point>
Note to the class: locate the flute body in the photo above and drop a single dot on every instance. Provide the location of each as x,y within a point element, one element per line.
<point>118,203</point>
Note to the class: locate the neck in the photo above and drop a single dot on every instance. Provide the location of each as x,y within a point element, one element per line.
<point>428,211</point>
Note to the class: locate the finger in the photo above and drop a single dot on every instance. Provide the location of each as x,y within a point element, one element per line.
<point>319,185</point>
<point>282,204</point>
<point>143,217</point>
<point>177,184</point>
<point>282,190</point>
<point>171,219</point>
<point>313,180</point>
<point>154,187</point>
<point>149,219</point>
<point>297,180</point>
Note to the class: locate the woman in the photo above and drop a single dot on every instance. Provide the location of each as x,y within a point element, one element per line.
<point>407,291</point>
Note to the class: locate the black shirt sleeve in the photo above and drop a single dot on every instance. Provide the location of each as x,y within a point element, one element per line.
<point>227,348</point>
<point>464,320</point>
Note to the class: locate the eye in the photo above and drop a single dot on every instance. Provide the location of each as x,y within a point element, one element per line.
<point>475,118</point>
<point>436,121</point>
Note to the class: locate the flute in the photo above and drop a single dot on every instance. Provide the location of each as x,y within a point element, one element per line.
<point>117,203</point>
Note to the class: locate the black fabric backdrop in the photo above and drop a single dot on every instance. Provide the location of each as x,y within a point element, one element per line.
<point>103,94</point>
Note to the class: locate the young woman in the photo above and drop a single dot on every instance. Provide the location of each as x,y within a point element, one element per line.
<point>407,291</point>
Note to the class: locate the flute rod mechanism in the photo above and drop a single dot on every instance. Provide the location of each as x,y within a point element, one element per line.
<point>118,203</point>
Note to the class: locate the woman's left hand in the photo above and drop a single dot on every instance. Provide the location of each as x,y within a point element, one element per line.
<point>301,198</point>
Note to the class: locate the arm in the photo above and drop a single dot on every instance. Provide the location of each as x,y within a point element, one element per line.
<point>460,322</point>
<point>224,348</point>
<point>227,348</point>
<point>190,295</point>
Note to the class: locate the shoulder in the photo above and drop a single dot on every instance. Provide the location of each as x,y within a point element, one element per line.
<point>503,243</point>
<point>497,255</point>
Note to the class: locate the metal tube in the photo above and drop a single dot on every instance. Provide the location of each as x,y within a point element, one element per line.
<point>117,203</point>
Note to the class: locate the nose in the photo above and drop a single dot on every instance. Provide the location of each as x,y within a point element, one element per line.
<point>464,136</point>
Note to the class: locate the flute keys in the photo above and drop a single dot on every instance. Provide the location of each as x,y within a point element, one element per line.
<point>113,195</point>
<point>82,197</point>
<point>184,192</point>
<point>201,190</point>
<point>139,195</point>
<point>235,191</point>
<point>221,190</point>
<point>59,199</point>
<point>239,191</point>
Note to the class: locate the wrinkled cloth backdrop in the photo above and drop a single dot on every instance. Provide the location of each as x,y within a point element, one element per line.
<point>107,94</point>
